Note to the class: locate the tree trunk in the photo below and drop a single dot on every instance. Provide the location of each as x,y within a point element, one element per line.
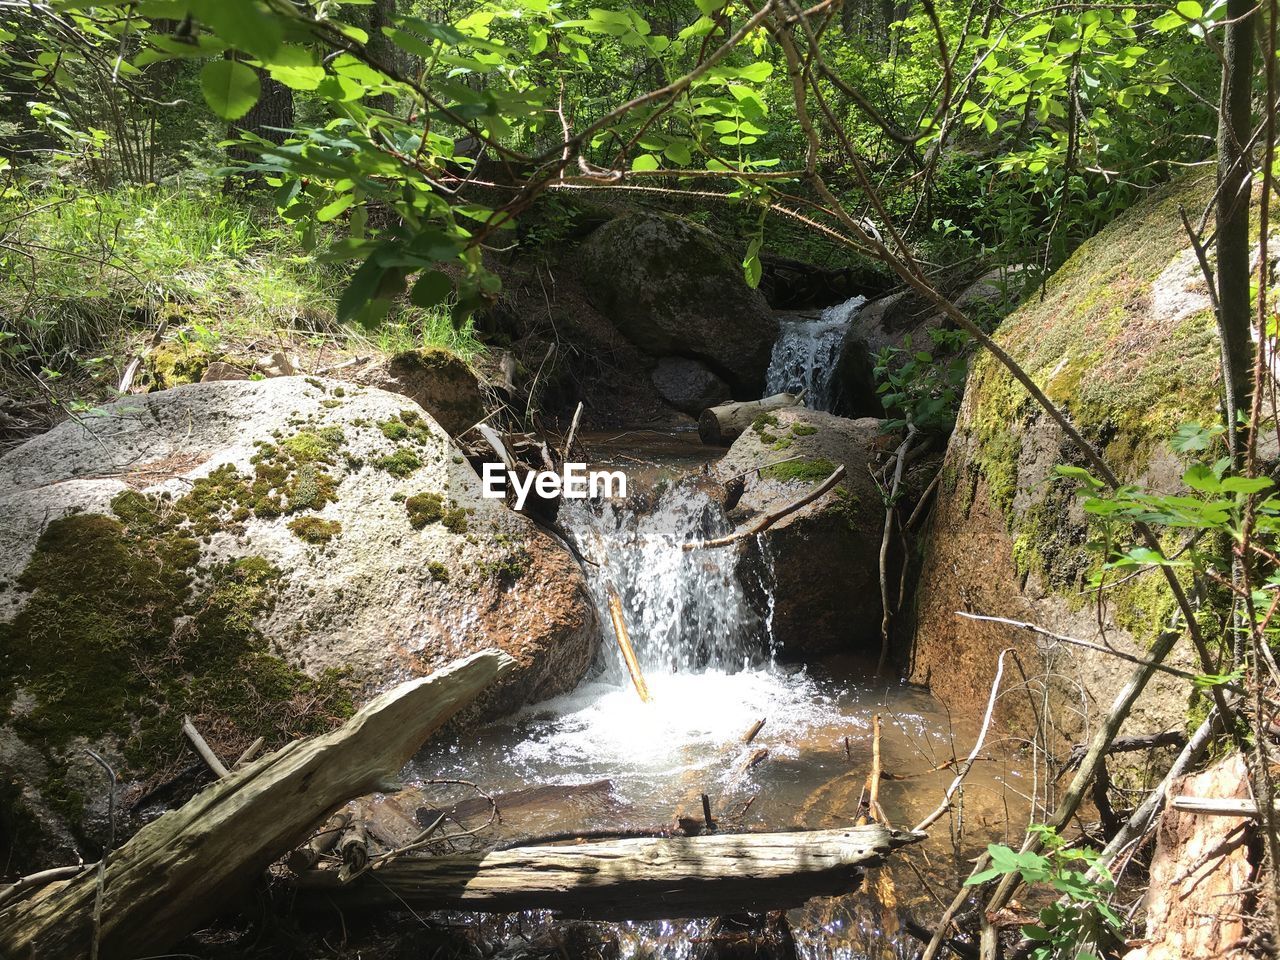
<point>631,879</point>
<point>1234,123</point>
<point>181,870</point>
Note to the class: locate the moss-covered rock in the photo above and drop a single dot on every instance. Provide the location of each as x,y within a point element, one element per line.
<point>673,290</point>
<point>1124,341</point>
<point>159,559</point>
<point>825,557</point>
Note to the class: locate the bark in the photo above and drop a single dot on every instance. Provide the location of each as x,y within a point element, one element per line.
<point>641,878</point>
<point>178,872</point>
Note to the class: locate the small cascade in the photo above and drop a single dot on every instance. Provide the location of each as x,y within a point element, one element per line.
<point>686,611</point>
<point>807,351</point>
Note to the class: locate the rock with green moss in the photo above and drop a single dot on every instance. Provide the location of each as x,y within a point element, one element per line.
<point>230,551</point>
<point>825,557</point>
<point>673,290</point>
<point>1124,341</point>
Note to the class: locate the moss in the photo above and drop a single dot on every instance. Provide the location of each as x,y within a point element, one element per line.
<point>314,529</point>
<point>400,463</point>
<point>424,508</point>
<point>799,471</point>
<point>804,429</point>
<point>122,633</point>
<point>455,520</point>
<point>1125,375</point>
<point>393,429</point>
<point>763,422</point>
<point>175,364</point>
<point>438,571</point>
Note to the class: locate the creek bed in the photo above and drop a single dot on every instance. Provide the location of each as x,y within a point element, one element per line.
<point>600,759</point>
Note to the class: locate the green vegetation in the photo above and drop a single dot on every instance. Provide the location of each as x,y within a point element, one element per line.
<point>799,471</point>
<point>314,529</point>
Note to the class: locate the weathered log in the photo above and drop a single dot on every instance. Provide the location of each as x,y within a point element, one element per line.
<point>309,854</point>
<point>632,879</point>
<point>720,426</point>
<point>179,871</point>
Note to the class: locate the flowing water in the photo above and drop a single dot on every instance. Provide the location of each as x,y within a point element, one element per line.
<point>599,758</point>
<point>807,351</point>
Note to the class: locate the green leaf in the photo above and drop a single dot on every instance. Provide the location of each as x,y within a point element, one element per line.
<point>645,161</point>
<point>230,88</point>
<point>1245,484</point>
<point>1190,9</point>
<point>1202,478</point>
<point>331,210</point>
<point>1080,474</point>
<point>363,285</point>
<point>432,289</point>
<point>709,7</point>
<point>242,23</point>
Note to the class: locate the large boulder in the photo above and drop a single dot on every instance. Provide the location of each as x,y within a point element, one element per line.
<point>673,290</point>
<point>260,556</point>
<point>1124,340</point>
<point>825,556</point>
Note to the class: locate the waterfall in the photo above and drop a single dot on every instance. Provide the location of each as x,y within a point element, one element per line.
<point>806,352</point>
<point>685,611</point>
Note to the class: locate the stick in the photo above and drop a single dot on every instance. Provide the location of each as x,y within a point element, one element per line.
<point>250,752</point>
<point>573,428</point>
<point>886,615</point>
<point>873,781</point>
<point>768,520</point>
<point>1062,637</point>
<point>309,854</point>
<point>624,642</point>
<point>706,814</point>
<point>1216,807</point>
<point>202,747</point>
<point>33,881</point>
<point>963,772</point>
<point>755,729</point>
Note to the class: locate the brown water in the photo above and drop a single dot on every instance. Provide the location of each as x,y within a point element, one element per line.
<point>599,758</point>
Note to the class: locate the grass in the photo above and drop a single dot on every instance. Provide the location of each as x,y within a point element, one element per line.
<point>87,276</point>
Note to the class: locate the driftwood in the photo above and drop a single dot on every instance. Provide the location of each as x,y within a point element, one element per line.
<point>633,879</point>
<point>179,871</point>
<point>720,426</point>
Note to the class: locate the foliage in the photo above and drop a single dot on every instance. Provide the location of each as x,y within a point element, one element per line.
<point>923,387</point>
<point>1079,924</point>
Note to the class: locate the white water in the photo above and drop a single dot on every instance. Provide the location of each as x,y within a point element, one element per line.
<point>806,352</point>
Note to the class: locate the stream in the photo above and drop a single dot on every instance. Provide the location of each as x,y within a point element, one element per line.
<point>599,758</point>
<point>806,354</point>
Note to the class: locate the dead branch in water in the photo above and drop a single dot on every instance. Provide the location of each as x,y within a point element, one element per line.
<point>634,878</point>
<point>624,642</point>
<point>965,767</point>
<point>769,519</point>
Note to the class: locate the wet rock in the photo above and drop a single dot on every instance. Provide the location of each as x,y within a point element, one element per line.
<point>825,557</point>
<point>673,290</point>
<point>688,385</point>
<point>1124,339</point>
<point>260,555</point>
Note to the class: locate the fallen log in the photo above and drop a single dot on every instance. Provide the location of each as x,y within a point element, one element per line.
<point>720,426</point>
<point>179,871</point>
<point>631,879</point>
